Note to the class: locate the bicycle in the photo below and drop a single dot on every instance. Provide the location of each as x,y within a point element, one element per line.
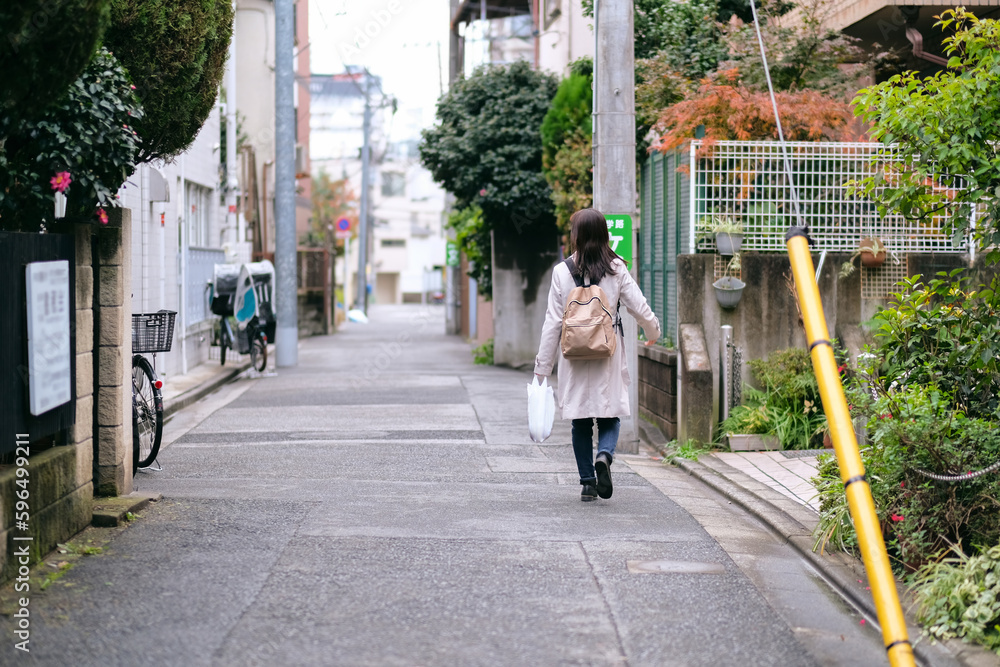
<point>252,340</point>
<point>151,333</point>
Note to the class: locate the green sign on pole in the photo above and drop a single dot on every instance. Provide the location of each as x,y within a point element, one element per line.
<point>620,233</point>
<point>451,254</point>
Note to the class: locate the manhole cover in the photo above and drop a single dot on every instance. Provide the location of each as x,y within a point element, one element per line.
<point>673,567</point>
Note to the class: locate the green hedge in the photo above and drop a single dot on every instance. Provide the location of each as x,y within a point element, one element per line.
<point>175,51</point>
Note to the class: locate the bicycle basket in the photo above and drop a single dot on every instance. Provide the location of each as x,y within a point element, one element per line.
<point>153,332</point>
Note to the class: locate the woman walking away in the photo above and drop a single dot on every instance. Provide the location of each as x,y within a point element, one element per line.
<point>582,331</point>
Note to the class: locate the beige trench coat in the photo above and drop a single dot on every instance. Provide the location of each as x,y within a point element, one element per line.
<point>595,387</point>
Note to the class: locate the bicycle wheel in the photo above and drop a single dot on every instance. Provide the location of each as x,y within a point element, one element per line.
<point>149,412</point>
<point>258,353</point>
<point>224,341</point>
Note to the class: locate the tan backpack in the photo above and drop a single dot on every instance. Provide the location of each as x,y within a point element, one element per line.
<point>588,327</point>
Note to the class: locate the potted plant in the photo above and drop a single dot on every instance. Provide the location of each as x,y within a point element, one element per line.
<point>729,288</point>
<point>748,429</point>
<point>728,234</point>
<point>872,253</point>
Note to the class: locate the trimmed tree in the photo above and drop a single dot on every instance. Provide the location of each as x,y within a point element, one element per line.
<point>487,151</point>
<point>47,46</point>
<point>567,160</point>
<point>87,136</point>
<point>175,51</point>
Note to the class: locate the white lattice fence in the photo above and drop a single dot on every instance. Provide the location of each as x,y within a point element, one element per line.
<point>746,181</point>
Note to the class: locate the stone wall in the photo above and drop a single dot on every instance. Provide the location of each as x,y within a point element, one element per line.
<point>658,388</point>
<point>113,332</point>
<point>60,479</point>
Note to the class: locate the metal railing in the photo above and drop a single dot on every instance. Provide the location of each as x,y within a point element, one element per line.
<point>746,181</point>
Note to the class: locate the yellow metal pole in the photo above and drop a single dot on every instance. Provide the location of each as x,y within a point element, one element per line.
<point>852,470</point>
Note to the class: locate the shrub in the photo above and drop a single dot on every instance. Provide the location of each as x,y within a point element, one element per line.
<point>483,355</point>
<point>88,134</point>
<point>928,395</point>
<point>567,160</point>
<point>943,125</point>
<point>46,47</point>
<point>787,405</point>
<point>175,52</point>
<point>960,597</point>
<point>473,237</point>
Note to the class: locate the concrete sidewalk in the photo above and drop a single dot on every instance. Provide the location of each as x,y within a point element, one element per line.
<point>776,487</point>
<point>382,504</point>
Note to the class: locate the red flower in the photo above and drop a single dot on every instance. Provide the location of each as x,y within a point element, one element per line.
<point>902,485</point>
<point>896,517</point>
<point>60,181</point>
<point>102,215</point>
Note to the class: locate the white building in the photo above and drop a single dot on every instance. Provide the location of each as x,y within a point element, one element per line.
<point>178,232</point>
<point>407,243</point>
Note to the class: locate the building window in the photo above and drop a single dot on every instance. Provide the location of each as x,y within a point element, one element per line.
<point>393,184</point>
<point>198,214</point>
<point>393,243</point>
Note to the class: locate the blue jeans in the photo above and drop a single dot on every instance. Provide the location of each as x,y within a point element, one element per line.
<point>583,443</point>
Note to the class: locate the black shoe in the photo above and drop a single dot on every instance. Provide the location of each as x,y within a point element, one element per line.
<point>589,493</point>
<point>603,467</point>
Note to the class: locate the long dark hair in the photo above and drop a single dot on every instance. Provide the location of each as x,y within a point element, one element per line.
<point>589,237</point>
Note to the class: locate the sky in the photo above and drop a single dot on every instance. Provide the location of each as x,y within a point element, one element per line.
<point>395,39</point>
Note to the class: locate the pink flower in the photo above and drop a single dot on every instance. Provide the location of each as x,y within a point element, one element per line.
<point>102,215</point>
<point>896,517</point>
<point>482,193</point>
<point>902,485</point>
<point>61,181</point>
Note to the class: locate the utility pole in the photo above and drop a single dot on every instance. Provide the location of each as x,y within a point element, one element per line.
<point>286,295</point>
<point>232,170</point>
<point>363,231</point>
<point>614,157</point>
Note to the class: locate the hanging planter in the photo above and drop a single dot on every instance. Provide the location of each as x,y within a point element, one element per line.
<point>728,243</point>
<point>728,291</point>
<point>872,253</point>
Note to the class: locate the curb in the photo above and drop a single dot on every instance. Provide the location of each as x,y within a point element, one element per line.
<point>110,512</point>
<point>198,392</point>
<point>844,577</point>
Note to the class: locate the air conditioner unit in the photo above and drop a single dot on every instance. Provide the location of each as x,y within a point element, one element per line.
<point>300,161</point>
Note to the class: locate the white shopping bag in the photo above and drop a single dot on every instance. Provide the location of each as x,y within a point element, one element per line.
<point>541,409</point>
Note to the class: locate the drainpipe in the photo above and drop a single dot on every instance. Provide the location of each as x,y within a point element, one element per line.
<point>182,278</point>
<point>917,40</point>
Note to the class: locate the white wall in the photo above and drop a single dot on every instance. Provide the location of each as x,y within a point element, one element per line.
<point>156,257</point>
<point>566,38</point>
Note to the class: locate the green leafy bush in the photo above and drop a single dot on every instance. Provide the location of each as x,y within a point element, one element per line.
<point>175,52</point>
<point>960,597</point>
<point>473,238</point>
<point>483,355</point>
<point>46,47</point>
<point>88,134</point>
<point>787,405</point>
<point>928,396</point>
<point>567,160</point>
<point>941,125</point>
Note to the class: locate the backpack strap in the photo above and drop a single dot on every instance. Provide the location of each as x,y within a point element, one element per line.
<point>571,265</point>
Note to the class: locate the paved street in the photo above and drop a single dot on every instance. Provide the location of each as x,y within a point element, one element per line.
<point>381,504</point>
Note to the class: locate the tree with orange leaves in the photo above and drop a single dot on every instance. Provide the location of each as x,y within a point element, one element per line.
<point>728,110</point>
